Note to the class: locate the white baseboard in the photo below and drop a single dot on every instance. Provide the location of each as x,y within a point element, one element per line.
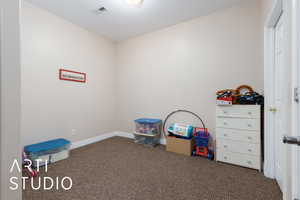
<point>92,140</point>
<point>105,136</point>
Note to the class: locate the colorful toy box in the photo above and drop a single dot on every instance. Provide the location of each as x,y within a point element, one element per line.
<point>181,130</point>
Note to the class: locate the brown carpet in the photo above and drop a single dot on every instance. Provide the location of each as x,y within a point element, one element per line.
<point>118,169</point>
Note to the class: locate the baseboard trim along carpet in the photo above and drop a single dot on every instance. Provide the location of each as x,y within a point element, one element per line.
<point>105,136</point>
<point>92,140</point>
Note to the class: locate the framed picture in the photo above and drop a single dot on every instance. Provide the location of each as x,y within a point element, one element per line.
<point>68,75</point>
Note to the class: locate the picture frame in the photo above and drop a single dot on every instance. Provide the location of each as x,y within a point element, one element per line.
<point>69,75</point>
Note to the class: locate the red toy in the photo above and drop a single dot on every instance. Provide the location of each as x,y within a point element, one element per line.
<point>27,167</point>
<point>202,140</point>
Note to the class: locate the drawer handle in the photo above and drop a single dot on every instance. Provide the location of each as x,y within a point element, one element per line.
<point>249,125</point>
<point>250,150</point>
<point>249,162</point>
<point>225,146</point>
<point>250,138</point>
<point>225,157</point>
<point>225,123</point>
<point>249,113</point>
<point>225,112</point>
<point>225,135</point>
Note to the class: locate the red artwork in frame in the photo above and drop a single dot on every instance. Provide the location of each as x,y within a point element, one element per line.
<point>68,75</point>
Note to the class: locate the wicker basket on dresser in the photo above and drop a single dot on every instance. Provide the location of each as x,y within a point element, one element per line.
<point>238,135</point>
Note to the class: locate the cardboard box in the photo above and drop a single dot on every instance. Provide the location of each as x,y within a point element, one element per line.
<point>181,146</point>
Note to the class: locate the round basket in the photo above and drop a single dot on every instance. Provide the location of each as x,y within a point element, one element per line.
<point>181,111</point>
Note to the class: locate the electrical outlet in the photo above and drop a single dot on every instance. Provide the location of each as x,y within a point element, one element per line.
<point>73,131</point>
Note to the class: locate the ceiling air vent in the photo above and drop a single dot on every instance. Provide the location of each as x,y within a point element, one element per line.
<point>102,10</point>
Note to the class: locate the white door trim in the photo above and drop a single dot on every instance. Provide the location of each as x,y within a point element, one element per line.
<point>10,99</point>
<point>295,107</point>
<point>269,47</point>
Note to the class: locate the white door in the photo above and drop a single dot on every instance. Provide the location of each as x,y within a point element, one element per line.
<point>278,100</point>
<point>296,149</point>
<point>282,76</point>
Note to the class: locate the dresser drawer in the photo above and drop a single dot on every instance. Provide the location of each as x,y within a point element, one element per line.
<point>242,111</point>
<point>238,147</point>
<point>240,159</point>
<point>238,135</point>
<point>238,123</point>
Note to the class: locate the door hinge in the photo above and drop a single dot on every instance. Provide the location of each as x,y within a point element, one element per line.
<point>296,94</point>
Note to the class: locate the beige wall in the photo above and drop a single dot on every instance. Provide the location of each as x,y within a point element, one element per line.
<point>148,76</point>
<point>181,67</point>
<point>52,108</point>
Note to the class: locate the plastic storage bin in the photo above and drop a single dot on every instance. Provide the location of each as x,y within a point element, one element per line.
<point>148,126</point>
<point>50,151</point>
<point>147,131</point>
<point>140,139</point>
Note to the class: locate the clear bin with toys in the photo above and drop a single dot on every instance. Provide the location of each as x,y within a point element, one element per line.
<point>147,131</point>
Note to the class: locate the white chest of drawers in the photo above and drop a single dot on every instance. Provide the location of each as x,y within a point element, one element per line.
<point>238,135</point>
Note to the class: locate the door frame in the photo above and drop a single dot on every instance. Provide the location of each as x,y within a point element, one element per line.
<point>295,162</point>
<point>10,96</point>
<point>289,9</point>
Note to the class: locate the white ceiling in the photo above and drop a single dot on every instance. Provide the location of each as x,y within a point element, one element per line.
<point>122,21</point>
